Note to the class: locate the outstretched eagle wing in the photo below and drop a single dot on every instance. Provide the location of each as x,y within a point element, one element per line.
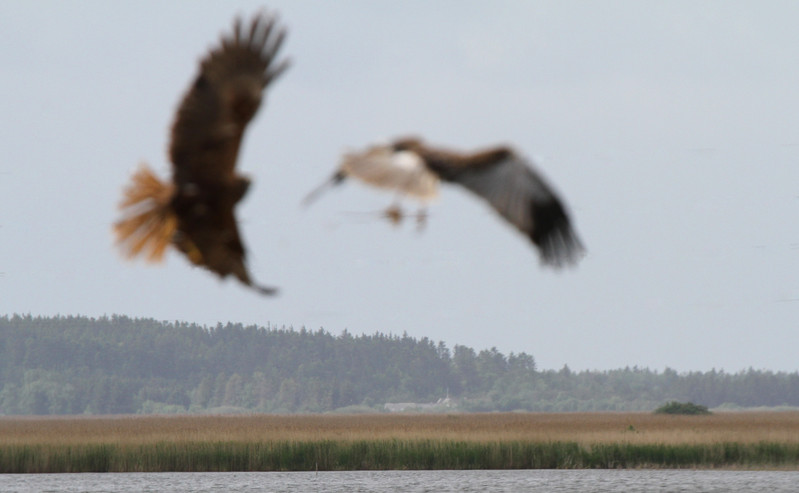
<point>521,196</point>
<point>222,100</point>
<point>205,143</point>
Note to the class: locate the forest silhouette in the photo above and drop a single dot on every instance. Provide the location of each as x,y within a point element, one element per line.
<point>122,365</point>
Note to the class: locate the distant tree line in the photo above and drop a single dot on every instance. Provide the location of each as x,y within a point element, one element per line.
<point>111,365</point>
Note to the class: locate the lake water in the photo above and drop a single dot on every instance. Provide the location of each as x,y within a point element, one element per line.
<point>549,481</point>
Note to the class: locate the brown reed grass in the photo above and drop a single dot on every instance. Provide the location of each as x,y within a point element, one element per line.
<point>581,428</point>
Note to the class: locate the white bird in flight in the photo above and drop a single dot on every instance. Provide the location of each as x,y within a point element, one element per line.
<point>498,175</point>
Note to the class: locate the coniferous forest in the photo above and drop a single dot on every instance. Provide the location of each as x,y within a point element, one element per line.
<point>112,365</point>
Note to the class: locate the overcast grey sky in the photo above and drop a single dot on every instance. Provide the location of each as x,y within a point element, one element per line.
<point>670,128</point>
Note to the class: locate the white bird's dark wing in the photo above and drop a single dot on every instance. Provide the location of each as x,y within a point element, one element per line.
<point>521,196</point>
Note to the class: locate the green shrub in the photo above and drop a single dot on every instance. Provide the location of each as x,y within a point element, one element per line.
<point>675,407</point>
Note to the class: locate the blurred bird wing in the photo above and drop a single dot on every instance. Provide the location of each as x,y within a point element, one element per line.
<point>222,100</point>
<point>521,196</point>
<point>403,172</point>
<point>216,245</point>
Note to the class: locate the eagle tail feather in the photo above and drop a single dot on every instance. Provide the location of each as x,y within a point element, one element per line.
<point>148,223</point>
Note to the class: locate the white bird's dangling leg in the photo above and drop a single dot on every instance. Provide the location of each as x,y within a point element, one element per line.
<point>421,219</point>
<point>394,214</point>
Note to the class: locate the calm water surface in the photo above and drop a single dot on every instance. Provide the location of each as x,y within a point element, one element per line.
<point>550,481</point>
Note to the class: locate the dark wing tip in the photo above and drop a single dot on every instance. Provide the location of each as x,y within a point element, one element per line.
<point>265,290</point>
<point>554,236</point>
<point>264,39</point>
<point>244,277</point>
<point>251,47</point>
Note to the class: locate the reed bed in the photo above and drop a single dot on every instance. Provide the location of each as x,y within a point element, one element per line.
<point>388,441</point>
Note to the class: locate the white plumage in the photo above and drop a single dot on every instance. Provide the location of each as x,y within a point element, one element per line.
<point>403,172</point>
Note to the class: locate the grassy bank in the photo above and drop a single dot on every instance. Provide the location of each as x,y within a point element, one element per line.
<point>460,441</point>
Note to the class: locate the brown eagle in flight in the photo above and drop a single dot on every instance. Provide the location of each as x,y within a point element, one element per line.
<point>195,211</point>
<point>498,175</point>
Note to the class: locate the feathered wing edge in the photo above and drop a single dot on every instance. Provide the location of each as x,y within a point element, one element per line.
<point>519,193</point>
<point>148,222</point>
<point>558,243</point>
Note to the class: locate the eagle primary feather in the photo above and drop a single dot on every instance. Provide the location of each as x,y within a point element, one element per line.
<point>195,212</point>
